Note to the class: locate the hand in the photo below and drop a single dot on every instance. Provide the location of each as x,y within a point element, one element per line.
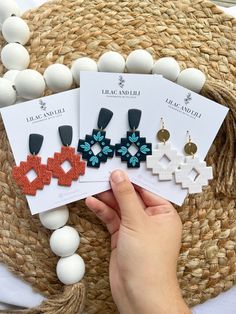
<point>145,242</point>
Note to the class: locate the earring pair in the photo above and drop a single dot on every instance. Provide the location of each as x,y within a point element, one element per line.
<point>85,147</point>
<point>189,171</point>
<point>53,168</point>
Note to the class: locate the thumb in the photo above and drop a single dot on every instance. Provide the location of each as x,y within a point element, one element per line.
<point>130,207</point>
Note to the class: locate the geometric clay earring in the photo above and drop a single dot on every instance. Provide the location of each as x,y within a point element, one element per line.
<point>33,162</point>
<point>98,137</point>
<point>67,154</point>
<point>201,173</point>
<point>155,162</point>
<point>134,140</point>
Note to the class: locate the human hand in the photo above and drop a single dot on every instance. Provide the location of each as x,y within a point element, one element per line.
<point>145,241</point>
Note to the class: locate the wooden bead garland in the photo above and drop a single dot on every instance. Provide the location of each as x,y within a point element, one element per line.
<point>15,57</point>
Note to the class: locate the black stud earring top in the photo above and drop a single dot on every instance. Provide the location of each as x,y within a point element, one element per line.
<point>133,139</point>
<point>98,137</point>
<point>35,143</point>
<point>66,134</point>
<point>134,116</point>
<point>104,118</point>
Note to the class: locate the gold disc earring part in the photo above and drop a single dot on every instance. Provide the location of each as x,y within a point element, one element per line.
<point>163,135</point>
<point>190,148</point>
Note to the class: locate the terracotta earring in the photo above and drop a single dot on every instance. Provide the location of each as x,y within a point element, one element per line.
<point>98,137</point>
<point>33,163</point>
<point>68,154</point>
<point>192,165</point>
<point>134,140</point>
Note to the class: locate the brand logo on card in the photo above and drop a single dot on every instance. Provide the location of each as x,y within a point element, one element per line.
<point>184,107</point>
<point>121,92</point>
<point>45,114</point>
<point>188,99</point>
<point>42,105</point>
<point>121,81</point>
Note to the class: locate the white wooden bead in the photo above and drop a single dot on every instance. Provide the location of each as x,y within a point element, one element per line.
<point>8,8</point>
<point>15,57</point>
<point>15,30</point>
<point>82,64</point>
<point>30,84</point>
<point>71,269</point>
<point>139,61</point>
<point>11,76</point>
<point>58,77</point>
<point>182,175</point>
<point>7,93</point>
<point>111,61</point>
<point>64,241</point>
<point>192,79</point>
<point>168,67</point>
<point>54,218</point>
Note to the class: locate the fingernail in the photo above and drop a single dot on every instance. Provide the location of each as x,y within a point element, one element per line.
<point>117,176</point>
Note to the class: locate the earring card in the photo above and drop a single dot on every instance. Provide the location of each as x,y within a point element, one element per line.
<point>44,116</point>
<point>181,109</point>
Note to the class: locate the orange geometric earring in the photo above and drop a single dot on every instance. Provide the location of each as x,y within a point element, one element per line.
<point>77,167</point>
<point>33,162</point>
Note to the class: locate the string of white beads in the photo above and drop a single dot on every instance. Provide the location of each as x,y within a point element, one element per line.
<point>15,57</point>
<point>7,9</point>
<point>58,77</point>
<point>82,64</point>
<point>15,30</point>
<point>7,93</point>
<point>139,61</point>
<point>64,242</point>
<point>31,84</point>
<point>111,61</point>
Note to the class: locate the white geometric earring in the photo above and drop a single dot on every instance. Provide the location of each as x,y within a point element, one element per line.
<point>164,160</point>
<point>193,174</point>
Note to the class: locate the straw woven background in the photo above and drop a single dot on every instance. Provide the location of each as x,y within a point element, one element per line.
<point>198,35</point>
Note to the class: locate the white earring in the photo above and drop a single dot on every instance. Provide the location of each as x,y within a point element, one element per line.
<point>193,174</point>
<point>164,160</point>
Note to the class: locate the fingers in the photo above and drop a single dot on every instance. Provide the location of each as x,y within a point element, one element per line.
<point>108,198</point>
<point>151,199</point>
<point>129,203</point>
<point>107,215</point>
<point>161,209</point>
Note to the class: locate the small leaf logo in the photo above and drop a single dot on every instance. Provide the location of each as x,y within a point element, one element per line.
<point>121,81</point>
<point>42,105</point>
<point>188,98</point>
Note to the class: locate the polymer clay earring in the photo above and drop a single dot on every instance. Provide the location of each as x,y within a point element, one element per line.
<point>98,137</point>
<point>193,174</point>
<point>69,155</point>
<point>134,140</point>
<point>164,160</point>
<point>33,163</point>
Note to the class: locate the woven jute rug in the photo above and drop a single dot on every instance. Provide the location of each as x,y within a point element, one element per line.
<point>197,34</point>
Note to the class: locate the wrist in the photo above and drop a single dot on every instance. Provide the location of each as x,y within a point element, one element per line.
<point>156,298</point>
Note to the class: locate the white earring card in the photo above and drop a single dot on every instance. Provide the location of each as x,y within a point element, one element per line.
<point>44,116</point>
<point>182,110</point>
